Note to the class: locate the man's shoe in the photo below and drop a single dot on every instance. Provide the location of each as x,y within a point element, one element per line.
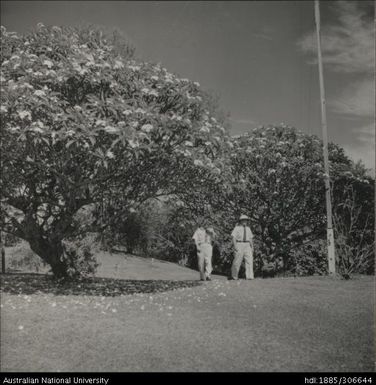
<point>208,278</point>
<point>232,279</point>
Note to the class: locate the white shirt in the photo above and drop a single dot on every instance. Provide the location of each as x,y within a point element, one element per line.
<point>238,234</point>
<point>201,236</point>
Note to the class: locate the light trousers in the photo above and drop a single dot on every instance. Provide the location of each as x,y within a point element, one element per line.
<point>243,250</point>
<point>204,255</point>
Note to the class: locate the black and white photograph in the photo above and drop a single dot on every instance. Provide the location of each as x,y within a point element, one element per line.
<point>187,186</point>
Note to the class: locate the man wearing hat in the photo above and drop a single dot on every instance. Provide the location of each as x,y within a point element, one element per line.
<point>243,242</point>
<point>203,239</point>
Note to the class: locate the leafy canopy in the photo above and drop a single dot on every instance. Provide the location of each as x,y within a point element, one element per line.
<point>80,118</point>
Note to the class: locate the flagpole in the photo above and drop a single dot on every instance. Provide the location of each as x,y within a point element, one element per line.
<point>330,234</point>
<point>374,30</point>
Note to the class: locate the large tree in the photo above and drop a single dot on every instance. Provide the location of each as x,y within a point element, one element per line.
<point>82,121</point>
<point>275,174</point>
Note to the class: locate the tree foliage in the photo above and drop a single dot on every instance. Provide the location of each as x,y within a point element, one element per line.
<point>81,121</point>
<point>275,175</point>
<point>86,126</point>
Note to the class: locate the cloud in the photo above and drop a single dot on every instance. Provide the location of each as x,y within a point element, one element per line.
<point>366,134</point>
<point>262,35</point>
<point>363,147</point>
<point>242,121</point>
<point>241,125</point>
<point>348,48</point>
<point>356,100</point>
<point>265,32</point>
<point>348,45</point>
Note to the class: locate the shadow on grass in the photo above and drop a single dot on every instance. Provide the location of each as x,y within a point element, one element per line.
<point>22,283</point>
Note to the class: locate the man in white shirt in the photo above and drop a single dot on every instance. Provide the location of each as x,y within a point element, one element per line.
<point>203,240</point>
<point>243,242</point>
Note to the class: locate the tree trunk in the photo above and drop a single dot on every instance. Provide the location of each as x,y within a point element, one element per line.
<point>3,269</point>
<point>59,269</point>
<point>2,253</point>
<point>51,253</point>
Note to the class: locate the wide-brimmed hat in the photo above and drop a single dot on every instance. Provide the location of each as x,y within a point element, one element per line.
<point>243,217</point>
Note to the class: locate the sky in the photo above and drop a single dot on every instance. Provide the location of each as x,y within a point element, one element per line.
<point>258,57</point>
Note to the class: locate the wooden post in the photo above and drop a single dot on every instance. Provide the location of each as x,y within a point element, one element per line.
<point>2,253</point>
<point>330,234</point>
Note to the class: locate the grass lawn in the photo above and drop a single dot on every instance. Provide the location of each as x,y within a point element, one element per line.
<point>282,324</point>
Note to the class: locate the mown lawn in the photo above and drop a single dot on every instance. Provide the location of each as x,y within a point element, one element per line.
<point>284,324</point>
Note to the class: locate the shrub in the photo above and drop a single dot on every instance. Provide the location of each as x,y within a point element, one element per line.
<point>354,236</point>
<point>79,258</point>
<point>268,270</point>
<point>309,259</point>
